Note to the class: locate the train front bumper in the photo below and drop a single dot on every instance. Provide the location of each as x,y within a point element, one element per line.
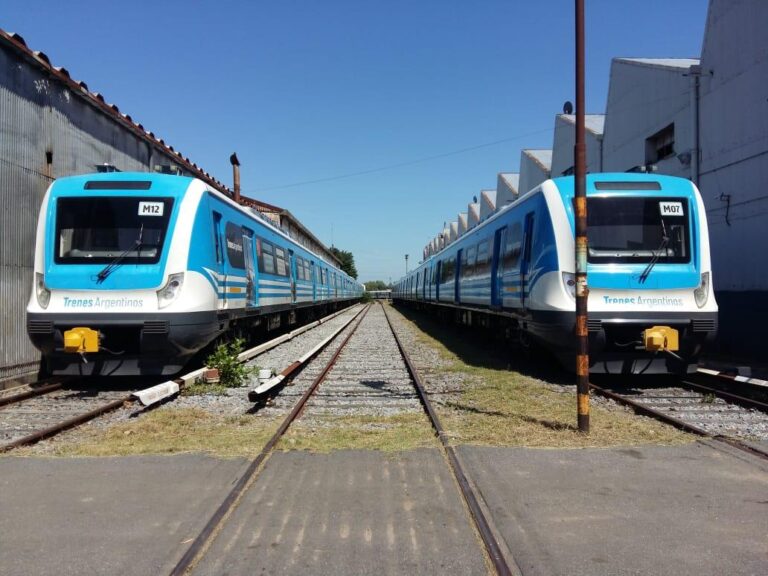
<point>128,344</point>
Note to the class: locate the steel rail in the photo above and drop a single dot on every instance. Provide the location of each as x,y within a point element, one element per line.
<point>16,398</point>
<point>644,410</point>
<point>198,547</point>
<point>730,396</point>
<point>66,425</point>
<point>492,546</point>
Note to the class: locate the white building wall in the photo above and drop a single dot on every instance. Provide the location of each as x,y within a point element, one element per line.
<point>565,140</point>
<point>462,223</point>
<point>644,97</point>
<point>507,188</point>
<point>534,168</point>
<point>733,112</point>
<point>473,215</point>
<point>487,203</point>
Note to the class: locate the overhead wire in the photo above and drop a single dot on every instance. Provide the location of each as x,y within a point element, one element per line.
<point>401,164</point>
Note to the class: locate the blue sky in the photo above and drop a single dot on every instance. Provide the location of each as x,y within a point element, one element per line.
<point>312,90</point>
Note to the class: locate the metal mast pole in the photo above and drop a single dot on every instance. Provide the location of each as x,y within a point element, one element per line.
<point>580,211</point>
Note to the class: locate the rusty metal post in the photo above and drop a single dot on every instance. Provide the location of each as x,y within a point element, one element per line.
<point>580,212</point>
<point>236,176</point>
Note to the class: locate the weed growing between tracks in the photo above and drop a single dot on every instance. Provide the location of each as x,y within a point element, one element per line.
<point>405,431</point>
<point>170,431</point>
<point>501,405</point>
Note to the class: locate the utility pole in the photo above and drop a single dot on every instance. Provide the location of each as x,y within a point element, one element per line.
<point>406,263</point>
<point>580,212</point>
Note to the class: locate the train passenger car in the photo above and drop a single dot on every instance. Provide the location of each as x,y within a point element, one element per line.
<point>136,272</point>
<point>651,305</point>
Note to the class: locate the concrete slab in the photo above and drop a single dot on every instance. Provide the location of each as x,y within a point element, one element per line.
<point>351,512</point>
<point>81,516</point>
<point>688,510</point>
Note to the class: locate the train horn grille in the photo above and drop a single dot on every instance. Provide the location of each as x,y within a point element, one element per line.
<point>704,325</point>
<point>156,327</point>
<point>594,325</point>
<point>39,326</point>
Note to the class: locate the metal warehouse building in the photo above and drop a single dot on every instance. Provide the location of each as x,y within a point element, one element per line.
<point>700,118</point>
<point>52,126</point>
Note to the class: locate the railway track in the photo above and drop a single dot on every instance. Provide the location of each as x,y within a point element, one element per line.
<point>363,369</point>
<point>40,411</point>
<point>702,406</point>
<point>34,415</point>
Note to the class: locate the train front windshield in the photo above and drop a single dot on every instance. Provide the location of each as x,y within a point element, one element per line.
<point>96,230</point>
<point>637,230</point>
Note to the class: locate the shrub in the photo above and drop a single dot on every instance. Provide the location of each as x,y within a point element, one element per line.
<point>232,373</point>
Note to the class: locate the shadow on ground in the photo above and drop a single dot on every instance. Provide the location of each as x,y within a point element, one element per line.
<point>478,348</point>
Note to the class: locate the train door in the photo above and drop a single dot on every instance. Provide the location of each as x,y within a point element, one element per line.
<point>292,274</point>
<point>461,260</point>
<point>251,293</point>
<point>218,237</point>
<point>313,278</point>
<point>525,260</point>
<point>438,274</point>
<point>497,268</point>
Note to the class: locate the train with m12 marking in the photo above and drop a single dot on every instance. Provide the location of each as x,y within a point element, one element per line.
<point>651,303</point>
<point>137,272</point>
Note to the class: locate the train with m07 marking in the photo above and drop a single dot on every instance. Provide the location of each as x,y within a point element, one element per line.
<point>651,303</point>
<point>137,272</point>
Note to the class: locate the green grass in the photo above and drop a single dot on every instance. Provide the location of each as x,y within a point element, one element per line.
<point>505,402</point>
<point>171,431</point>
<point>405,431</point>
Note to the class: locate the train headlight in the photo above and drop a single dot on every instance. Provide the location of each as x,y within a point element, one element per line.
<point>168,293</point>
<point>702,292</point>
<point>569,281</point>
<point>43,294</point>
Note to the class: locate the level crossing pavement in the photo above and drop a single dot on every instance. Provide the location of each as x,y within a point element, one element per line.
<point>690,509</point>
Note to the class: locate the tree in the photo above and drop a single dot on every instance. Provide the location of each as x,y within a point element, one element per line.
<point>376,285</point>
<point>347,261</point>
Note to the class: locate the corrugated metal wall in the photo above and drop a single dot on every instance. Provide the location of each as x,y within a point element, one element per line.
<point>46,131</point>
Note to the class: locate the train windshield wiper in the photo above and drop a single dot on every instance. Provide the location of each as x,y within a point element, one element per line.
<point>656,254</point>
<point>109,268</point>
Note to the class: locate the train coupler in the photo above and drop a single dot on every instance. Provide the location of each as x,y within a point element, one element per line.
<point>661,338</point>
<point>80,340</point>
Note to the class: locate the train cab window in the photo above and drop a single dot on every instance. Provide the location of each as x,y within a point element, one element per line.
<point>513,245</point>
<point>234,239</point>
<point>281,263</point>
<point>96,230</point>
<point>217,238</point>
<point>483,264</point>
<point>267,257</point>
<point>638,229</point>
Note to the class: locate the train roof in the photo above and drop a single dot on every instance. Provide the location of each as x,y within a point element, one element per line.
<point>166,184</point>
<point>624,182</point>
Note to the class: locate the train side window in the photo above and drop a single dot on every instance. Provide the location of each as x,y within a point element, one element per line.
<point>471,259</point>
<point>267,257</point>
<point>299,268</point>
<point>483,261</point>
<point>281,264</point>
<point>217,237</point>
<point>234,238</point>
<point>513,245</point>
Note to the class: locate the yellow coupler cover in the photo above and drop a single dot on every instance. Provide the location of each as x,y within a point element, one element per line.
<point>81,339</point>
<point>661,338</point>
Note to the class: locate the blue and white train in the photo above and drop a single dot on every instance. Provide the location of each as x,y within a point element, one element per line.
<point>651,304</point>
<point>136,272</point>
